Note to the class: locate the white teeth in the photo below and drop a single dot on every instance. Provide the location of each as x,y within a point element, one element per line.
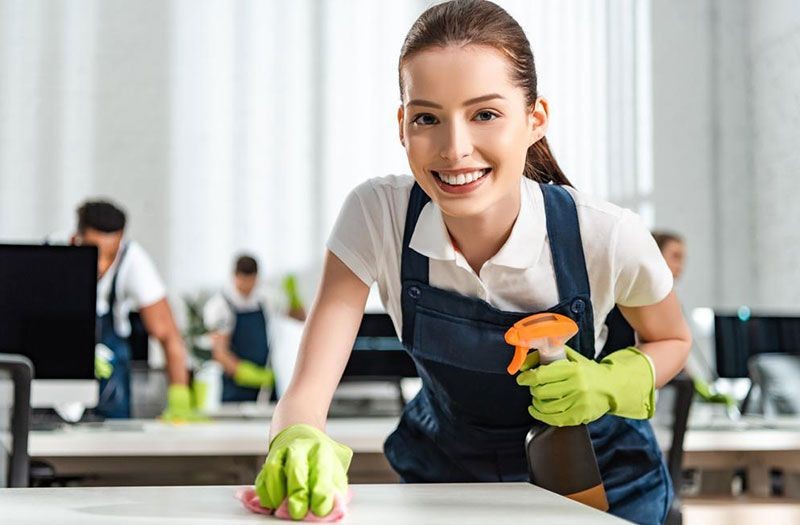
<point>462,178</point>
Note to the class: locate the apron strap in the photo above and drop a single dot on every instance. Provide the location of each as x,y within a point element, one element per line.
<point>566,247</point>
<point>414,265</point>
<point>235,311</point>
<point>112,294</point>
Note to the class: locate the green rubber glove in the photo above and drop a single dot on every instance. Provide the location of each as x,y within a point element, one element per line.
<point>103,356</point>
<point>179,405</point>
<point>102,368</point>
<point>249,374</point>
<point>577,390</point>
<point>305,466</point>
<point>708,394</point>
<point>290,287</point>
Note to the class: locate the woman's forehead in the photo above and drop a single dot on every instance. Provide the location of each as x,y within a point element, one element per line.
<point>454,74</point>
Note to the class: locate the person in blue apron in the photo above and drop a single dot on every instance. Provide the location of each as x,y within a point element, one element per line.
<point>128,281</point>
<point>237,319</point>
<point>114,398</point>
<point>487,232</point>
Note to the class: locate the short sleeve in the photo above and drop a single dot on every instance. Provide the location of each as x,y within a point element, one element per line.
<point>642,276</point>
<point>142,283</point>
<point>217,315</point>
<point>356,237</point>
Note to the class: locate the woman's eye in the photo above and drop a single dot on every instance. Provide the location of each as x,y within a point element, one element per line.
<point>424,119</point>
<point>484,116</point>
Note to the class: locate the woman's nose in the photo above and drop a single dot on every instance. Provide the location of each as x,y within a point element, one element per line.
<point>456,142</point>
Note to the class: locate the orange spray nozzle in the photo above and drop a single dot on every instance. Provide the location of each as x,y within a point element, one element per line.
<point>538,331</point>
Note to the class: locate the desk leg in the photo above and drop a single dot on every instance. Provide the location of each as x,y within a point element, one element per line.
<point>758,480</point>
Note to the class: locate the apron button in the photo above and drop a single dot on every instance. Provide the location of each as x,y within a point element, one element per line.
<point>414,292</point>
<point>578,306</point>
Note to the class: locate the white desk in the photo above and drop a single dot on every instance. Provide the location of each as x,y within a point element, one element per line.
<point>149,452</point>
<point>715,444</point>
<point>384,504</point>
<point>152,452</point>
<point>246,437</point>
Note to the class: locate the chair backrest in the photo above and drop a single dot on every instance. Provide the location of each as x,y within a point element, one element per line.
<point>777,377</point>
<point>21,371</point>
<point>684,393</point>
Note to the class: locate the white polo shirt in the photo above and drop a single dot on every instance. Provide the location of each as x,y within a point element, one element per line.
<point>219,317</point>
<point>624,264</point>
<point>138,286</point>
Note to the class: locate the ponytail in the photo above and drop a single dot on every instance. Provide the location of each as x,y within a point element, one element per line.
<point>541,166</point>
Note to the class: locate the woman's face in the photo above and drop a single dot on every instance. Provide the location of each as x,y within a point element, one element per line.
<point>674,253</point>
<point>466,127</point>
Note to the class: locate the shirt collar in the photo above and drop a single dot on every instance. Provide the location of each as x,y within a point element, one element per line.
<point>522,248</point>
<point>430,237</point>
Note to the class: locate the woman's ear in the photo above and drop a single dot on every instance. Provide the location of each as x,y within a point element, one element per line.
<point>400,114</point>
<point>538,118</point>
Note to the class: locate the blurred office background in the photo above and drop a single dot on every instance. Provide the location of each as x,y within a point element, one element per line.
<point>224,126</point>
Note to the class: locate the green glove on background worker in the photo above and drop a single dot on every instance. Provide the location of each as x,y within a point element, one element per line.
<point>249,374</point>
<point>179,405</point>
<point>290,287</point>
<point>577,390</point>
<point>102,368</point>
<point>306,467</point>
<point>103,356</point>
<point>708,394</point>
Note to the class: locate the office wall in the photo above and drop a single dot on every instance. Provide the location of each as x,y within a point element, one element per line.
<point>228,126</point>
<point>726,78</point>
<point>82,112</point>
<point>775,115</point>
<point>682,142</point>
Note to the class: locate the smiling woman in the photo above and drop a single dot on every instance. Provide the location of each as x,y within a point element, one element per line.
<point>487,232</point>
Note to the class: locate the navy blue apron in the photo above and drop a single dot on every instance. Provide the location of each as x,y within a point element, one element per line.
<point>620,334</point>
<point>468,423</point>
<point>114,400</point>
<point>249,342</point>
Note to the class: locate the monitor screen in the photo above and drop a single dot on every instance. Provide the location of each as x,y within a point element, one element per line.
<point>377,352</point>
<point>741,335</point>
<point>47,308</point>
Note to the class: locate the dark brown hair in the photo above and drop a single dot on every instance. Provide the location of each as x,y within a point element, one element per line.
<point>662,237</point>
<point>245,265</point>
<point>479,22</point>
<point>100,215</point>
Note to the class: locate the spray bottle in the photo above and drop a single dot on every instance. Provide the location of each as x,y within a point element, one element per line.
<point>560,459</point>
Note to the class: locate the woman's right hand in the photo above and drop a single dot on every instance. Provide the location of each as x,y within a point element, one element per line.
<point>305,467</point>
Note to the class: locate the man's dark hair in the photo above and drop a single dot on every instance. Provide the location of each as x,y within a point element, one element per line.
<point>100,215</point>
<point>246,265</point>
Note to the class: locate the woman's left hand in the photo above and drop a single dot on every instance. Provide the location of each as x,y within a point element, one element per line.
<point>577,390</point>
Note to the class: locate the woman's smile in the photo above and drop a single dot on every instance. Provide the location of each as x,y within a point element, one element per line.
<point>461,181</point>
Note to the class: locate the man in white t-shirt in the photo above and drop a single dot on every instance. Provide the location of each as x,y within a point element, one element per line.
<point>127,281</point>
<point>237,320</point>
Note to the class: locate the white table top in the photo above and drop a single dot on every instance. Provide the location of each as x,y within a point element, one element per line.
<point>249,437</point>
<point>464,504</point>
<point>226,437</point>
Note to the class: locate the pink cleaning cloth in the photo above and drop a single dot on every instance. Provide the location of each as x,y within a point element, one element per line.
<point>250,500</point>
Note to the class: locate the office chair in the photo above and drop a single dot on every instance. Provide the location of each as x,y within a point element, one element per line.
<point>683,394</point>
<point>21,371</point>
<point>776,377</point>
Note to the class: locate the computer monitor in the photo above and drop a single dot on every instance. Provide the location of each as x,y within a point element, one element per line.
<point>48,313</point>
<point>377,352</point>
<point>741,335</point>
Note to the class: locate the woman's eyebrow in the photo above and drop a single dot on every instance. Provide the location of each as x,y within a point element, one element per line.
<point>429,104</point>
